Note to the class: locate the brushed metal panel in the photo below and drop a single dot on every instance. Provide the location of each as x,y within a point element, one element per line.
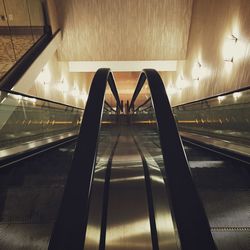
<point>167,238</point>
<point>128,224</point>
<point>96,201</point>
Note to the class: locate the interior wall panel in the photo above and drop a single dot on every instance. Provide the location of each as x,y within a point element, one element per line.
<point>213,23</point>
<point>124,29</point>
<point>17,12</point>
<point>53,15</point>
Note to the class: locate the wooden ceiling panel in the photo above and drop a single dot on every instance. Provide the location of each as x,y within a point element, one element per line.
<point>123,30</point>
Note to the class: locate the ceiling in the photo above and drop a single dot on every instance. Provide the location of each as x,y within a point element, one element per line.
<point>124,30</point>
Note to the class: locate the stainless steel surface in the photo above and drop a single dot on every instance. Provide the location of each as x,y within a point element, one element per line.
<point>96,201</point>
<point>163,218</point>
<point>128,224</point>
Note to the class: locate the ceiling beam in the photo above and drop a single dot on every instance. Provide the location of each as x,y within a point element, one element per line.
<point>121,66</point>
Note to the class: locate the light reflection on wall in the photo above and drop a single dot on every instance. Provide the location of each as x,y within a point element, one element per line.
<point>221,98</point>
<point>65,90</point>
<point>44,76</point>
<point>200,71</point>
<point>182,83</point>
<point>237,95</point>
<point>221,46</point>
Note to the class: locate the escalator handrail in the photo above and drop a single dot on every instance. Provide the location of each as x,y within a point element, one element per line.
<point>8,81</point>
<point>110,107</point>
<point>143,104</point>
<point>70,227</point>
<point>191,220</point>
<point>113,88</point>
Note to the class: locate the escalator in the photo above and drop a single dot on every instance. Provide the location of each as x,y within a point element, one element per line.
<point>223,184</point>
<point>125,211</point>
<point>125,183</point>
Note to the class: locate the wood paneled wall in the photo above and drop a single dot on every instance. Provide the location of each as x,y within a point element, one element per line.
<point>120,30</point>
<point>53,15</point>
<point>213,22</point>
<point>22,13</point>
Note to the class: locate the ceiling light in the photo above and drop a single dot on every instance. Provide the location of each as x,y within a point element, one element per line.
<point>181,83</point>
<point>196,73</point>
<point>230,49</point>
<point>63,86</point>
<point>75,92</point>
<point>44,76</point>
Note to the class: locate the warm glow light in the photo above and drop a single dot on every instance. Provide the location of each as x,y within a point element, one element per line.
<point>237,95</point>
<point>196,83</point>
<point>63,86</point>
<point>75,92</point>
<point>44,76</point>
<point>196,72</point>
<point>30,99</point>
<point>17,97</point>
<point>221,98</point>
<point>33,100</point>
<point>242,42</point>
<point>230,48</point>
<point>181,83</point>
<point>84,96</point>
<point>26,98</point>
<point>171,90</point>
<point>200,72</point>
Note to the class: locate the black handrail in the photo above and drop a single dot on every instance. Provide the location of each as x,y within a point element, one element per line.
<point>19,68</point>
<point>190,216</point>
<point>70,227</point>
<point>143,104</point>
<point>110,107</point>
